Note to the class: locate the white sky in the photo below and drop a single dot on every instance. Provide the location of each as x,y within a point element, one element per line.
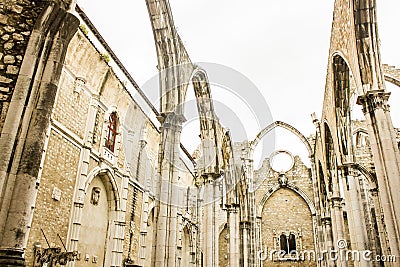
<point>281,46</point>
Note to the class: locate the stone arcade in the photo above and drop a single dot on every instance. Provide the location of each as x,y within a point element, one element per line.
<point>89,178</point>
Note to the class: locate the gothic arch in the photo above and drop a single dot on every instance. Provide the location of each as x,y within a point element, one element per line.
<point>211,132</point>
<point>370,177</point>
<point>292,187</point>
<point>109,181</point>
<point>392,79</point>
<point>391,74</point>
<point>263,132</point>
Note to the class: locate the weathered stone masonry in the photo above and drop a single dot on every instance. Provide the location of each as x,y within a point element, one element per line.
<point>89,178</point>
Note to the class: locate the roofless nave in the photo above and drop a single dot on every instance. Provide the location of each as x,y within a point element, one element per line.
<point>88,179</point>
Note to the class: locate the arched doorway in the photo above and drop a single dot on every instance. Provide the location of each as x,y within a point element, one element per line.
<point>94,227</point>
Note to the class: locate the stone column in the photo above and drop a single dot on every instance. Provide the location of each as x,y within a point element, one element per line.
<point>384,246</point>
<point>327,228</point>
<point>338,226</point>
<point>28,164</point>
<point>144,234</point>
<point>337,216</point>
<point>168,195</point>
<point>234,238</point>
<point>245,227</point>
<point>386,160</point>
<point>210,229</point>
<point>357,226</point>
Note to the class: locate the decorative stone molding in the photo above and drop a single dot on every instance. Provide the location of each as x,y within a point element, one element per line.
<point>373,100</point>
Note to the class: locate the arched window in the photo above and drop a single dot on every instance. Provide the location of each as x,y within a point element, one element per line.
<point>292,243</point>
<point>284,244</point>
<point>112,131</point>
<point>287,244</point>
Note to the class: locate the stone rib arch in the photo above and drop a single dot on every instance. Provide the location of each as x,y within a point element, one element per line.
<point>176,72</point>
<point>391,74</point>
<point>352,71</point>
<point>328,129</point>
<point>170,54</point>
<point>392,79</point>
<point>292,187</point>
<point>370,177</point>
<point>211,131</point>
<point>290,128</point>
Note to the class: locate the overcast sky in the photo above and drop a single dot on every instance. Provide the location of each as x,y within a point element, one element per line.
<point>281,46</point>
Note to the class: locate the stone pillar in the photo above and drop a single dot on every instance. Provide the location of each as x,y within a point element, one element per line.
<point>338,227</point>
<point>386,160</point>
<point>234,238</point>
<point>200,225</point>
<point>357,226</point>
<point>144,234</point>
<point>168,195</point>
<point>210,229</point>
<point>337,216</point>
<point>36,68</point>
<point>27,164</point>
<point>384,246</point>
<point>245,227</point>
<point>327,228</point>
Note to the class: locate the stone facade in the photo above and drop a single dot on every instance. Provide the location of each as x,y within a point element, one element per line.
<point>92,174</point>
<point>285,211</point>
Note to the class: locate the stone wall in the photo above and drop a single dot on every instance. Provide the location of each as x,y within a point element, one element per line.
<point>286,212</point>
<point>283,210</point>
<point>17,19</point>
<point>52,214</point>
<point>89,90</point>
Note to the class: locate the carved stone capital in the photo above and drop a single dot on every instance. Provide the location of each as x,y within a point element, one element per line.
<point>232,208</point>
<point>336,201</point>
<point>373,100</point>
<point>326,220</point>
<point>245,225</point>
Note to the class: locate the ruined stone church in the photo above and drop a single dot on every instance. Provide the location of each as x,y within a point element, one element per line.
<point>92,174</point>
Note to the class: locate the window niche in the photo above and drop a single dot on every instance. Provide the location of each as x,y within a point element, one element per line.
<point>287,245</point>
<point>112,130</point>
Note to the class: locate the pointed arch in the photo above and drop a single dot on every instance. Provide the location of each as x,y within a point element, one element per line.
<point>370,176</point>
<point>292,187</point>
<point>212,133</point>
<point>290,128</point>
<point>110,183</point>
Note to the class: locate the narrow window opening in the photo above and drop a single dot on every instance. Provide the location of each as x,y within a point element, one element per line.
<point>112,131</point>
